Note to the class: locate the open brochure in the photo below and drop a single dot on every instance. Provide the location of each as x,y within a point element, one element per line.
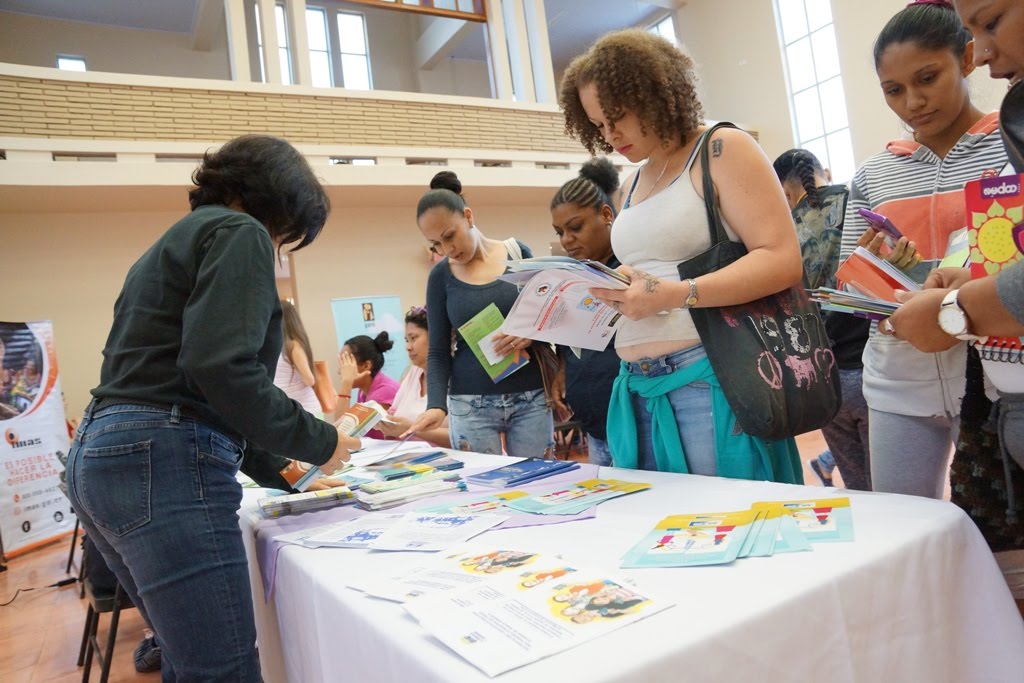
<point>556,306</point>
<point>503,624</point>
<point>595,272</point>
<point>478,332</point>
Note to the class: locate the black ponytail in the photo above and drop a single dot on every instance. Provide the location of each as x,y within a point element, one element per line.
<point>366,349</point>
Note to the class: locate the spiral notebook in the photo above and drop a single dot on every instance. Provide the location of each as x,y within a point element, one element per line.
<point>995,212</point>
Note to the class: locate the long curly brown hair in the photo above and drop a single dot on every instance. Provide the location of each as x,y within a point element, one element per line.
<point>634,71</point>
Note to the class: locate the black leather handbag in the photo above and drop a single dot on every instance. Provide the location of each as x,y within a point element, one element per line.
<point>771,356</point>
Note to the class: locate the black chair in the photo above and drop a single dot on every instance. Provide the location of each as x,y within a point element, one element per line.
<point>100,602</point>
<point>566,434</point>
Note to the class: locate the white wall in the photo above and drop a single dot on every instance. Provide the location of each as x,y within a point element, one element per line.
<point>35,41</point>
<point>69,267</point>
<point>736,46</point>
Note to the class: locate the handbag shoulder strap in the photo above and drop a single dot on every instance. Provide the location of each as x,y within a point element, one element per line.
<point>512,247</point>
<point>715,226</point>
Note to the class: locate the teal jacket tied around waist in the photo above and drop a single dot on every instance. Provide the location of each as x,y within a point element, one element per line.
<point>737,454</point>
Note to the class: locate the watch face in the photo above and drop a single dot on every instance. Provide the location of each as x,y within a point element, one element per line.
<point>952,321</point>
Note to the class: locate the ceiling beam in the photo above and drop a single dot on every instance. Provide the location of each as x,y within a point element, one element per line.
<point>667,4</point>
<point>209,21</point>
<point>438,39</point>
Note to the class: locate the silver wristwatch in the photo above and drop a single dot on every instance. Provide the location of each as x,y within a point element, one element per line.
<point>953,320</point>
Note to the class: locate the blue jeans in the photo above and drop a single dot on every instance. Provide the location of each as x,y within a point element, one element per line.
<point>157,494</point>
<point>477,421</point>
<point>692,407</point>
<point>598,452</point>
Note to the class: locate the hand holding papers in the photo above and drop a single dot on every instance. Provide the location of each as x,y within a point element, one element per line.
<point>875,281</point>
<point>555,304</point>
<point>478,333</point>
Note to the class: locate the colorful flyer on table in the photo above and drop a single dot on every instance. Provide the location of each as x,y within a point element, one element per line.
<point>353,533</point>
<point>495,503</point>
<point>823,520</point>
<point>463,566</point>
<point>500,626</point>
<point>690,540</point>
<point>573,498</point>
<point>478,332</point>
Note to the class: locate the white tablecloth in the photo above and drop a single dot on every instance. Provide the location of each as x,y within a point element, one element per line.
<point>916,597</point>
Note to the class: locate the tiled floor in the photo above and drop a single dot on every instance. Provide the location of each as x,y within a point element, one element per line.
<point>41,631</point>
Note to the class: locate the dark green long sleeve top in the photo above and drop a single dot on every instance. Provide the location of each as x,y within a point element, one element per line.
<point>198,324</point>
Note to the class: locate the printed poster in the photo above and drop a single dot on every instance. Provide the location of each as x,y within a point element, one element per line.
<point>33,510</point>
<point>370,315</point>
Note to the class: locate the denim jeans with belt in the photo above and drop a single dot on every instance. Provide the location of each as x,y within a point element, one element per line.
<point>477,421</point>
<point>156,491</point>
<point>691,405</point>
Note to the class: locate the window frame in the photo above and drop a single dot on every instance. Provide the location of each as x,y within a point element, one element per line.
<point>819,143</point>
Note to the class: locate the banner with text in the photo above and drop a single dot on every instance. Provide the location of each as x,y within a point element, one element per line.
<point>33,510</point>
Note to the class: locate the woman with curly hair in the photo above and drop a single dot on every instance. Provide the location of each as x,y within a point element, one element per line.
<point>186,384</point>
<point>635,93</point>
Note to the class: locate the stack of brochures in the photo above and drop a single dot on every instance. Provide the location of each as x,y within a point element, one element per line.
<point>409,464</point>
<point>853,303</point>
<point>530,469</point>
<point>873,282</point>
<point>295,503</point>
<point>381,495</point>
<point>722,537</point>
<point>572,499</point>
<point>356,421</point>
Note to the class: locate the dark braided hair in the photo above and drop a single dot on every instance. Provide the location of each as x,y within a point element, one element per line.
<point>930,25</point>
<point>799,164</point>
<point>366,349</point>
<point>597,181</point>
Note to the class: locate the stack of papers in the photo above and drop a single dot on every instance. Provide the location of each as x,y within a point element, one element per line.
<point>873,276</point>
<point>409,464</point>
<point>575,498</point>
<point>295,503</point>
<point>722,537</point>
<point>380,495</point>
<point>522,472</point>
<point>853,303</point>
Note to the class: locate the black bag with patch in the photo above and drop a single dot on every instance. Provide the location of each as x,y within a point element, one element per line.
<point>771,356</point>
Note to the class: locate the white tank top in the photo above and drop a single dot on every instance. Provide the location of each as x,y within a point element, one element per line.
<point>655,236</point>
<point>288,380</point>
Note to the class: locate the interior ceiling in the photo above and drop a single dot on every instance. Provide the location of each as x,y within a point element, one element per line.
<point>572,24</point>
<point>172,16</point>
